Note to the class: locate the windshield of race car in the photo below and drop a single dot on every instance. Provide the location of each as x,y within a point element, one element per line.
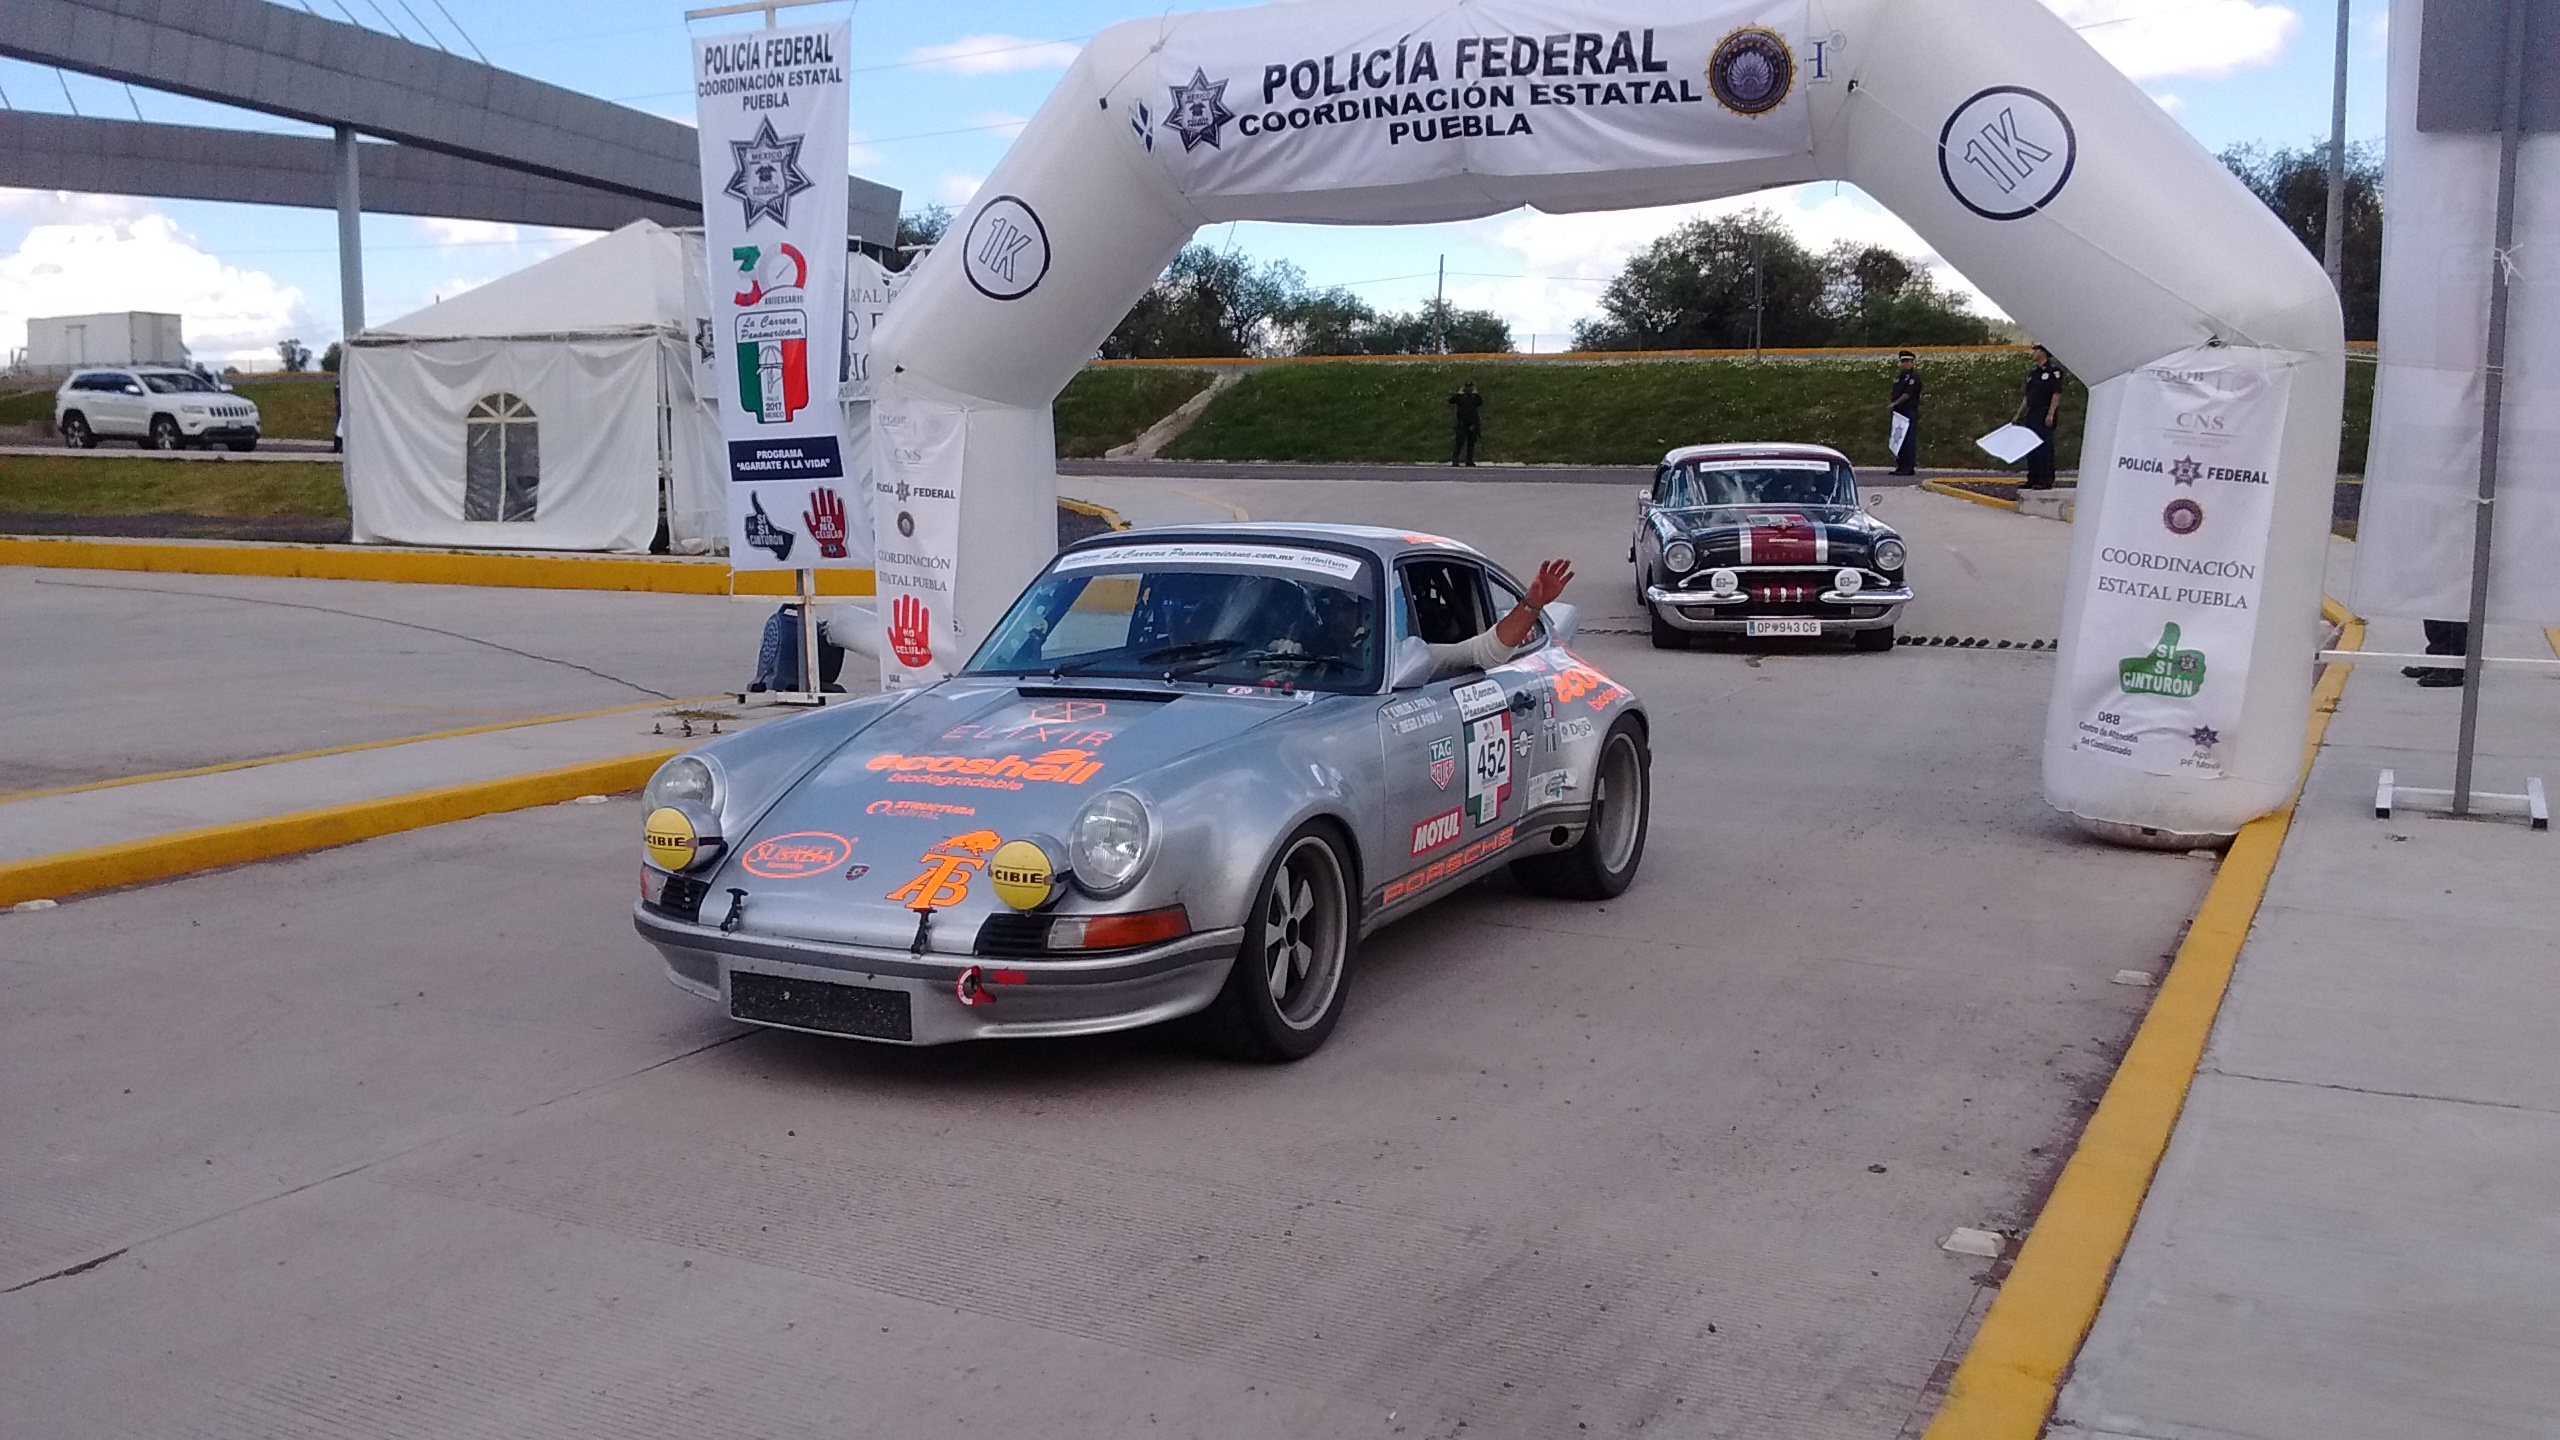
<point>1230,614</point>
<point>1696,485</point>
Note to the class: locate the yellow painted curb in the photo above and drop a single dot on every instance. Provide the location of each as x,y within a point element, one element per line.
<point>263,760</point>
<point>2004,1388</point>
<point>133,862</point>
<point>1948,487</point>
<point>1103,513</point>
<point>419,567</point>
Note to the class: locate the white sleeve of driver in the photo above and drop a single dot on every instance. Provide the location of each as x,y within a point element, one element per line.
<point>1481,651</point>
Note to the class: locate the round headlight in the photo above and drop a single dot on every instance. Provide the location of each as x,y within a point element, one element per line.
<point>1680,555</point>
<point>1724,582</point>
<point>1889,554</point>
<point>1848,581</point>
<point>685,778</point>
<point>1110,843</point>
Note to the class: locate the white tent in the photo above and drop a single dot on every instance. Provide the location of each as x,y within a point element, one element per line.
<point>550,409</point>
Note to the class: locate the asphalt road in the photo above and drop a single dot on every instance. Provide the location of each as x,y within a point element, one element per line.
<point>409,1139</point>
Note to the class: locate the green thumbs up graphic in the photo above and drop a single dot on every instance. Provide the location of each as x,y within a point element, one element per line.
<point>2167,670</point>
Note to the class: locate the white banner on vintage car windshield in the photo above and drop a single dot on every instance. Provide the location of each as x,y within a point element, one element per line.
<point>2165,639</point>
<point>1176,557</point>
<point>771,105</point>
<point>1332,97</point>
<point>915,519</point>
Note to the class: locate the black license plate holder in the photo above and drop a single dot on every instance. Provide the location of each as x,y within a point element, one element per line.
<point>828,1006</point>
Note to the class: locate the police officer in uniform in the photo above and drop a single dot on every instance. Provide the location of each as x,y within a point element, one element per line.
<point>1466,419</point>
<point>1906,403</point>
<point>2039,409</point>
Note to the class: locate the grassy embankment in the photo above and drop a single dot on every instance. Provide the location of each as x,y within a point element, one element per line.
<point>290,407</point>
<point>1627,412</point>
<point>134,485</point>
<point>1107,406</point>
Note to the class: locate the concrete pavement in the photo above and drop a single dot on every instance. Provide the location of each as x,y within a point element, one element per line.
<point>2351,1235</point>
<point>1675,1163</point>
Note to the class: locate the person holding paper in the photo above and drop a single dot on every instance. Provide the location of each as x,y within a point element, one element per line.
<point>2039,409</point>
<point>1905,410</point>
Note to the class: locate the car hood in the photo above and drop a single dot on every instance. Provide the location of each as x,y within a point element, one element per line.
<point>934,786</point>
<point>1778,534</point>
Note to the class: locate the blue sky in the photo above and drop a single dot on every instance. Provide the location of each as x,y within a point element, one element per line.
<point>940,91</point>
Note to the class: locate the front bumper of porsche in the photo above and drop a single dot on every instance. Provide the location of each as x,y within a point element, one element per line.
<point>1839,611</point>
<point>900,998</point>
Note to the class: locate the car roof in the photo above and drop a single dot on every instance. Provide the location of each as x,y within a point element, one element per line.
<point>1386,544</point>
<point>1754,450</point>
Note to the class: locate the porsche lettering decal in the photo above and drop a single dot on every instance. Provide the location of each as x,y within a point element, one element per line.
<point>1405,887</point>
<point>947,868</point>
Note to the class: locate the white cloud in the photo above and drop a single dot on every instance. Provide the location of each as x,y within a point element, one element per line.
<point>60,207</point>
<point>954,189</point>
<point>148,263</point>
<point>1567,260</point>
<point>2171,103</point>
<point>994,55</point>
<point>442,231</point>
<point>2154,39</point>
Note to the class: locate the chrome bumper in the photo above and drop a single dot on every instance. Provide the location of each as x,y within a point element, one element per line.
<point>1020,996</point>
<point>1709,613</point>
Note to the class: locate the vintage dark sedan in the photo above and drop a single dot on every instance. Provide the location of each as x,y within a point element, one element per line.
<point>1765,540</point>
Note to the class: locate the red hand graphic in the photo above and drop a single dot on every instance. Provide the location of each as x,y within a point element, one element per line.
<point>910,637</point>
<point>825,517</point>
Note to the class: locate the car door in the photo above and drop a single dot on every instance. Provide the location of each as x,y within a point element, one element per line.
<point>1449,744</point>
<point>1529,689</point>
<point>122,406</point>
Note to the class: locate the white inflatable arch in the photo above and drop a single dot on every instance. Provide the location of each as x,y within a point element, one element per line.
<point>2210,337</point>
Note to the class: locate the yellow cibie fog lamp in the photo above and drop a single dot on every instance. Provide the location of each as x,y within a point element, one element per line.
<point>670,838</point>
<point>1025,873</point>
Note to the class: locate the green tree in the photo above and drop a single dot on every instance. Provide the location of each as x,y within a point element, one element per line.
<point>2295,185</point>
<point>1875,296</point>
<point>293,355</point>
<point>1693,289</point>
<point>1206,303</point>
<point>329,357</point>
<point>918,231</point>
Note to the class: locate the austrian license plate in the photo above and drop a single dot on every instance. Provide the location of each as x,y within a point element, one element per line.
<point>1784,627</point>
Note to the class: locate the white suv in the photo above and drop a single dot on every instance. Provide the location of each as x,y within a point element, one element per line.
<point>165,409</point>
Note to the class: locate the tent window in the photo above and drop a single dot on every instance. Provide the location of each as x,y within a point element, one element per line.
<point>501,459</point>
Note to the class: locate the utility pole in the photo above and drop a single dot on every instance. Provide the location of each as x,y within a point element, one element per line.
<point>2333,235</point>
<point>1439,335</point>
<point>1755,294</point>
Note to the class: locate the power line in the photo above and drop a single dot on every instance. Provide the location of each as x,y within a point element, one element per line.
<point>458,30</point>
<point>423,26</point>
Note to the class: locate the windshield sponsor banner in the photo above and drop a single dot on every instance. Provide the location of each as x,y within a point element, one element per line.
<point>2163,647</point>
<point>915,524</point>
<point>1302,98</point>
<point>1227,557</point>
<point>771,110</point>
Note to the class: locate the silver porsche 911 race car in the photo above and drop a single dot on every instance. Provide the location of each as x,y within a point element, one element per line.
<point>1187,773</point>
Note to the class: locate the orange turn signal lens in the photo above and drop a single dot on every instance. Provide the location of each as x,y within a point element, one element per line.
<point>1119,932</point>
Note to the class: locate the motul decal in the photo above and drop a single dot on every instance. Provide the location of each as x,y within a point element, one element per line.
<point>1437,831</point>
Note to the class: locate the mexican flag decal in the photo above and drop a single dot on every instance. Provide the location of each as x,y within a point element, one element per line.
<point>773,364</point>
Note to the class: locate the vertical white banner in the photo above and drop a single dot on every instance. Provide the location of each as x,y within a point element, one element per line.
<point>772,107</point>
<point>915,511</point>
<point>2167,629</point>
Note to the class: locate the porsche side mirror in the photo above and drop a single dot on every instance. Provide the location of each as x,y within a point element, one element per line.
<point>1563,618</point>
<point>1412,664</point>
<point>851,628</point>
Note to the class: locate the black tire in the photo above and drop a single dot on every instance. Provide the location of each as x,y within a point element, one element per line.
<point>1666,636</point>
<point>1300,938</point>
<point>243,446</point>
<point>1602,864</point>
<point>76,432</point>
<point>164,434</point>
<point>1880,638</point>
